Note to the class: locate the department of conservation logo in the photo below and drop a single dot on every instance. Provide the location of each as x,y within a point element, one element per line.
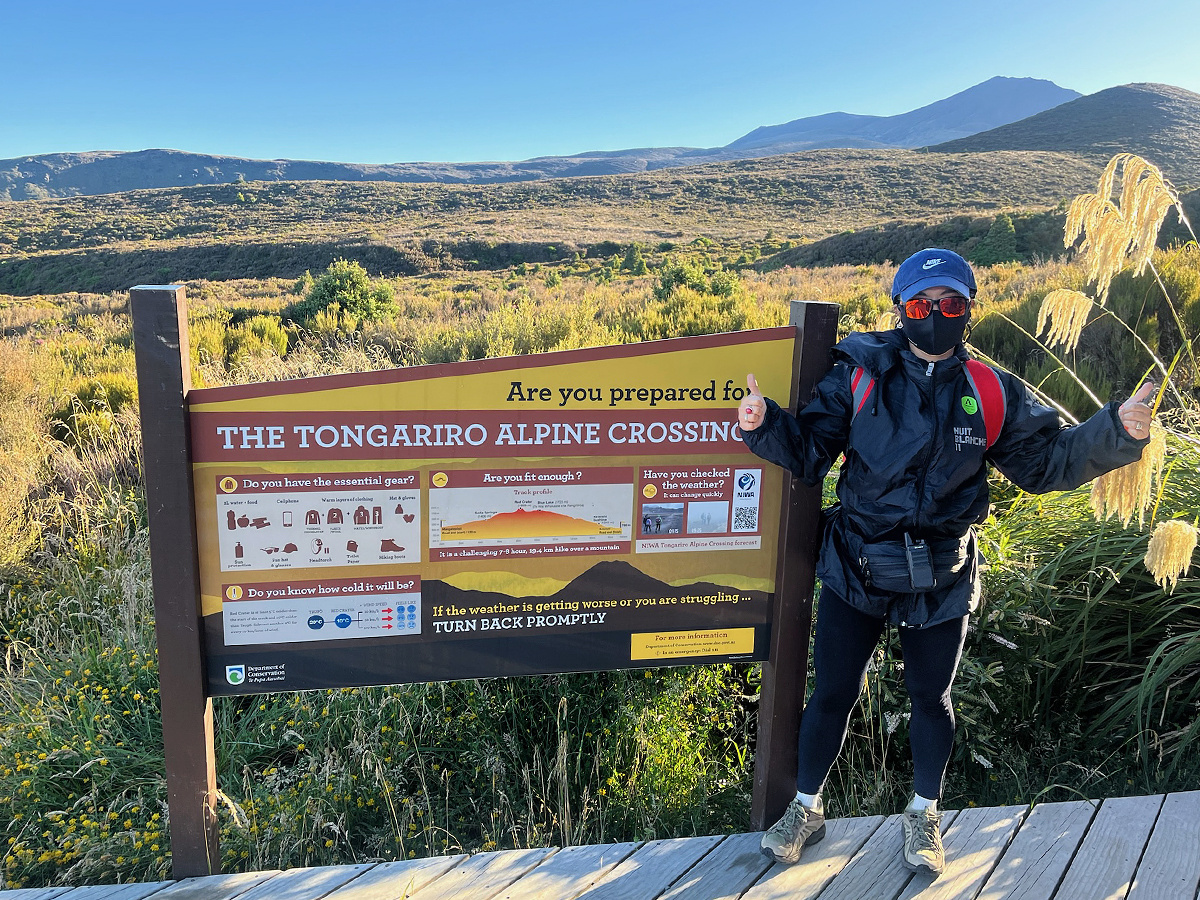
<point>235,674</point>
<point>970,405</point>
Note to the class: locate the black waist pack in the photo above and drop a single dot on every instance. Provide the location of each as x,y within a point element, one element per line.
<point>912,566</point>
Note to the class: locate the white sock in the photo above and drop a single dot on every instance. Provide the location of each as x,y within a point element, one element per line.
<point>919,803</point>
<point>812,801</point>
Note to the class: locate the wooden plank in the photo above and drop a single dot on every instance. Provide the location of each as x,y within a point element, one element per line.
<point>41,893</point>
<point>819,864</point>
<point>725,872</point>
<point>877,870</point>
<point>387,881</point>
<point>1170,867</point>
<point>214,887</point>
<point>569,872</point>
<point>975,840</point>
<point>1035,861</point>
<point>1104,865</point>
<point>484,875</point>
<point>116,891</point>
<point>307,883</point>
<point>652,869</point>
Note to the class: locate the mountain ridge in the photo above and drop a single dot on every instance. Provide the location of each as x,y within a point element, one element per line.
<point>994,102</point>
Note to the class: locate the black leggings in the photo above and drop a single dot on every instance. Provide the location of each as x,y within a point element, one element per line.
<point>845,642</point>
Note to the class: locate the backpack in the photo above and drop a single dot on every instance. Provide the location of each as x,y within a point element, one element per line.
<point>985,384</point>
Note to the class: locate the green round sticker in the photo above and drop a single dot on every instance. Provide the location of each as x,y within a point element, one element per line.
<point>971,405</point>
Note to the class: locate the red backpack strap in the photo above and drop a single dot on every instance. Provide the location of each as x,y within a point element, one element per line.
<point>989,390</point>
<point>860,386</point>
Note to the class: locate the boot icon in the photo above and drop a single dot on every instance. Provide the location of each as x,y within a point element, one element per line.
<point>389,546</point>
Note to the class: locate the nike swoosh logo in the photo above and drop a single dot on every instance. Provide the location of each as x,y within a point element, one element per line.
<point>930,263</point>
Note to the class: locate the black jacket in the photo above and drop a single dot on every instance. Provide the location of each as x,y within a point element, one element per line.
<point>915,463</point>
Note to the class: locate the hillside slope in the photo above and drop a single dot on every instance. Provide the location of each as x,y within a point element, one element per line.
<point>260,229</point>
<point>1157,121</point>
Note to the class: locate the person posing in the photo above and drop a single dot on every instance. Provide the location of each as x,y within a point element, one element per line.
<point>918,421</point>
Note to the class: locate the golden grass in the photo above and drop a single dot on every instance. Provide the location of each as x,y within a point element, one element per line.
<point>1118,236</point>
<point>27,379</point>
<point>1067,312</point>
<point>1130,489</point>
<point>1169,554</point>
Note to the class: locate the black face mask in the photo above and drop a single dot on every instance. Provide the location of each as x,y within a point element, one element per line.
<point>934,334</point>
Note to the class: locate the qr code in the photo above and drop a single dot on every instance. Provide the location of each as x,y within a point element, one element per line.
<point>745,518</point>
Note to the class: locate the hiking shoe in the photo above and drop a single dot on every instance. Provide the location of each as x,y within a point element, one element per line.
<point>799,827</point>
<point>923,841</point>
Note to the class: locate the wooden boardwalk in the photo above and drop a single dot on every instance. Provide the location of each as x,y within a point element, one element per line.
<point>1136,848</point>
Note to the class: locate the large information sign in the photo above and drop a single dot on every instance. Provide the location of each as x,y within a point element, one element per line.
<point>581,510</point>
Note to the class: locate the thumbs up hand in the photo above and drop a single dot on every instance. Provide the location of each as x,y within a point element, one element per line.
<point>1136,412</point>
<point>753,408</point>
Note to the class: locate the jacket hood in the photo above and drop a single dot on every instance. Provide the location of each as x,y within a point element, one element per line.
<point>875,351</point>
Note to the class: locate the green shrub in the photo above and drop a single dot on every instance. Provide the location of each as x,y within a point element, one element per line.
<point>206,341</point>
<point>255,337</point>
<point>999,245</point>
<point>89,414</point>
<point>634,263</point>
<point>347,284</point>
<point>681,274</point>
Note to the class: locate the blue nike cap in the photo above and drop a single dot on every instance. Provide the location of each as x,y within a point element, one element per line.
<point>930,267</point>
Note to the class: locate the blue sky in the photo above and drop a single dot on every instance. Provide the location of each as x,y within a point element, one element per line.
<point>460,80</point>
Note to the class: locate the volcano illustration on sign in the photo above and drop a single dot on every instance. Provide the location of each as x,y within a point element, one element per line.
<point>470,514</point>
<point>527,523</point>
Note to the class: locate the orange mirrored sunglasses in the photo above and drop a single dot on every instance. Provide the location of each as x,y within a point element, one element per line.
<point>919,307</point>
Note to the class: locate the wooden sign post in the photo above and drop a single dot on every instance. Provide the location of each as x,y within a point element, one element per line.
<point>785,674</point>
<point>160,343</point>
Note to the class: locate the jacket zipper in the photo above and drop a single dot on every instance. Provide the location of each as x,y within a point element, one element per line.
<point>925,467</point>
<point>929,450</point>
